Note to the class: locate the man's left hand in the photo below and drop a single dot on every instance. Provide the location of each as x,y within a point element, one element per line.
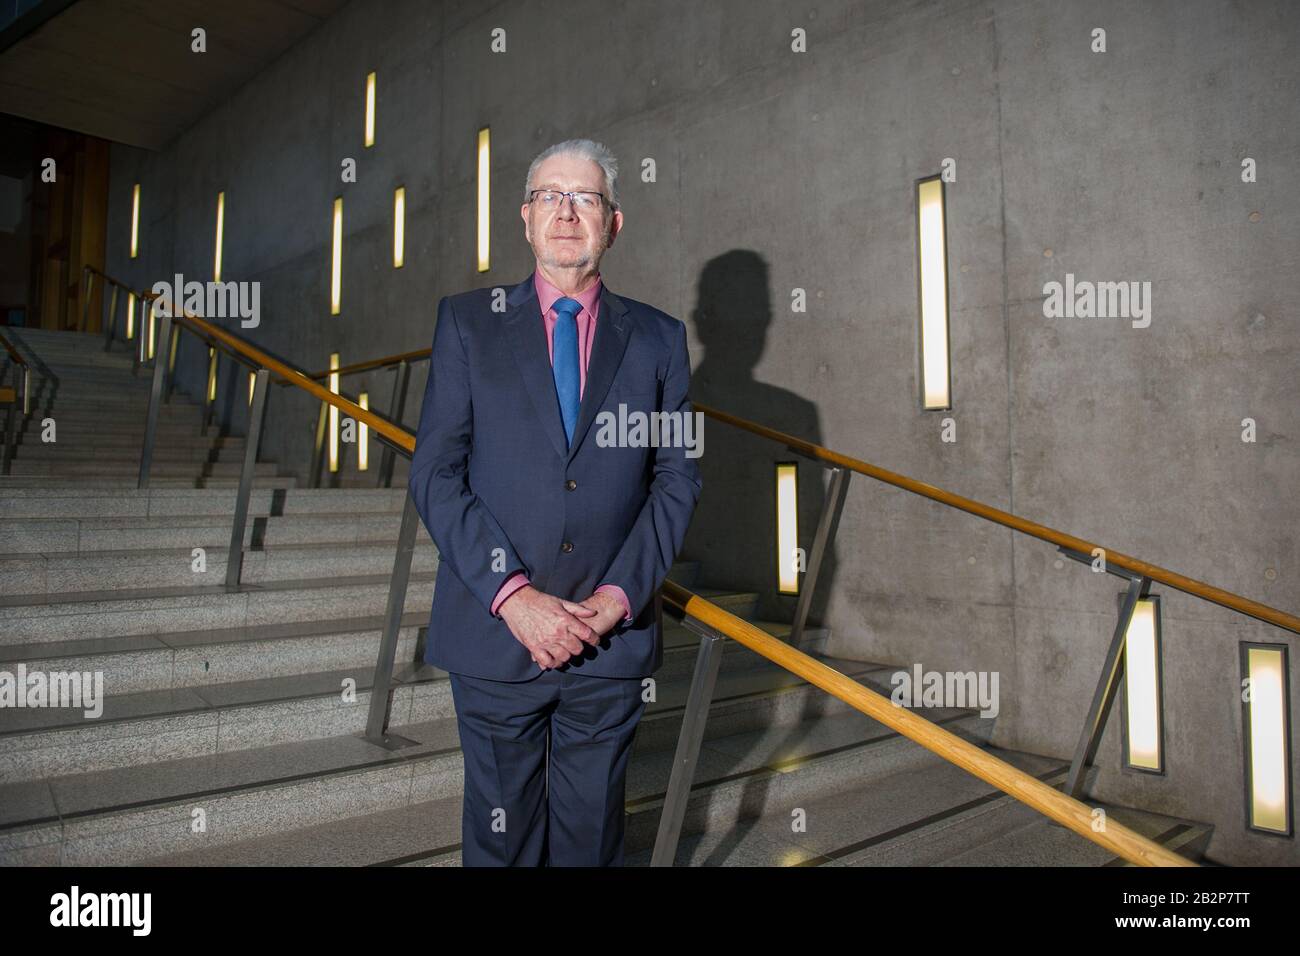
<point>609,611</point>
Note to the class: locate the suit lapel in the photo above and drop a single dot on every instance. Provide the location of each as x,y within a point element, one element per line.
<point>527,333</point>
<point>612,331</point>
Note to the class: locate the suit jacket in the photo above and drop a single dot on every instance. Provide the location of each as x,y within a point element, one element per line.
<point>499,491</point>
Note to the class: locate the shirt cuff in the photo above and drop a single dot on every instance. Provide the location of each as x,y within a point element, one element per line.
<point>512,584</point>
<point>617,591</point>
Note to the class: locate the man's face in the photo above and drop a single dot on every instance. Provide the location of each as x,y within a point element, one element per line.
<point>565,236</point>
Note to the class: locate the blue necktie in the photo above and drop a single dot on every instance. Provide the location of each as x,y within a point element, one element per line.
<point>564,362</point>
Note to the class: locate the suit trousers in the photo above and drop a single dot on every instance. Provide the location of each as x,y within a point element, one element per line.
<point>545,767</point>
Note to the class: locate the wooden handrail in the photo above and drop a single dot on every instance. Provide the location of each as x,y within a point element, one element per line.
<point>118,282</point>
<point>1181,582</point>
<point>395,435</point>
<point>1026,788</point>
<point>14,355</point>
<point>1029,790</point>
<point>1173,579</point>
<point>370,364</point>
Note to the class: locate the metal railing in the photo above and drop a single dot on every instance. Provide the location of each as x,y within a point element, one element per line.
<point>90,274</point>
<point>401,364</point>
<point>711,622</point>
<point>264,366</point>
<point>840,467</point>
<point>1137,574</point>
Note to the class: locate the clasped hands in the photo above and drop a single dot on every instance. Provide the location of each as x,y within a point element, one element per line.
<point>553,629</point>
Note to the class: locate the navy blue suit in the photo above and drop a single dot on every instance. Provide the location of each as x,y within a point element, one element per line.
<point>499,492</point>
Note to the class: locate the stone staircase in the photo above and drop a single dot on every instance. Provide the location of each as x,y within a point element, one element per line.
<point>232,725</point>
<point>99,407</point>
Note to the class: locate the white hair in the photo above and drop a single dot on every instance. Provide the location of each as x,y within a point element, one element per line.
<point>584,149</point>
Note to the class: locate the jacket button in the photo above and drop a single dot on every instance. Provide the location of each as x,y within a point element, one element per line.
<point>567,546</point>
<point>570,484</point>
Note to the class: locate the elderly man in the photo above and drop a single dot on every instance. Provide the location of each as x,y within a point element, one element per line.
<point>553,539</point>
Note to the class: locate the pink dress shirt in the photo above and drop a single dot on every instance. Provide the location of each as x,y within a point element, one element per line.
<point>547,294</point>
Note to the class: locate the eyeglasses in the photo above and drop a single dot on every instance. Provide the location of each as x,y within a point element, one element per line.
<point>551,198</point>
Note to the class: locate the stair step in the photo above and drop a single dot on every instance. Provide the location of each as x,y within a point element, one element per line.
<point>71,535</point>
<point>129,813</point>
<point>122,482</point>
<point>69,428</point>
<point>27,619</point>
<point>54,574</point>
<point>91,468</point>
<point>91,503</point>
<point>418,834</point>
<point>98,439</point>
<point>150,662</point>
<point>1044,843</point>
<point>197,718</point>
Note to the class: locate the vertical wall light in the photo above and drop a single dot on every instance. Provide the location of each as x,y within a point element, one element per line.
<point>399,226</point>
<point>787,527</point>
<point>212,374</point>
<point>135,220</point>
<point>363,435</point>
<point>221,231</point>
<point>130,316</point>
<point>370,109</point>
<point>336,264</point>
<point>1266,720</point>
<point>149,318</point>
<point>334,414</point>
<point>252,382</point>
<point>1143,703</point>
<point>484,197</point>
<point>932,273</point>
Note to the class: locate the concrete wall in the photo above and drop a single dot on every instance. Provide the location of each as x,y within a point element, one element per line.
<point>778,171</point>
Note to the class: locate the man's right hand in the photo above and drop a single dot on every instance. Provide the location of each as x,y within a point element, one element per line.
<point>551,628</point>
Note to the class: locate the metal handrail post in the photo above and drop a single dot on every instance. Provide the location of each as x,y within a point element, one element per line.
<point>111,325</point>
<point>85,306</point>
<point>235,556</point>
<point>141,333</point>
<point>397,408</point>
<point>1103,697</point>
<point>689,740</point>
<point>171,369</point>
<point>155,402</point>
<point>381,686</point>
<point>827,524</point>
<point>210,386</point>
<point>318,449</point>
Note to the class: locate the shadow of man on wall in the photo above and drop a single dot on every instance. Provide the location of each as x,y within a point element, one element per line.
<point>733,532</point>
